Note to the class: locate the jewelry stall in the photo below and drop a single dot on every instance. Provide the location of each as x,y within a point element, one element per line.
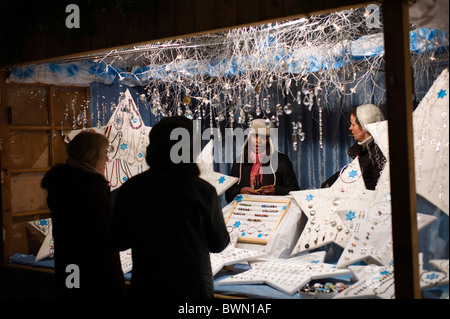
<point>303,76</point>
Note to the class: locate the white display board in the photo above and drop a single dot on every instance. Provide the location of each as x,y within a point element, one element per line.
<point>256,219</point>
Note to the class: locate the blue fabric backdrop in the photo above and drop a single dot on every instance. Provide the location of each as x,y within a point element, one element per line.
<point>312,164</point>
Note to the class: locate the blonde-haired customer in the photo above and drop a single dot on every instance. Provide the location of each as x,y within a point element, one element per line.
<point>81,209</point>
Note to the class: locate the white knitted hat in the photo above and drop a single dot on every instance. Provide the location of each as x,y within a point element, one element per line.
<point>261,126</point>
<point>368,113</point>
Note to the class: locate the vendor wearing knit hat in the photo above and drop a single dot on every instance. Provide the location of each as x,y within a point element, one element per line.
<point>371,159</point>
<point>260,168</point>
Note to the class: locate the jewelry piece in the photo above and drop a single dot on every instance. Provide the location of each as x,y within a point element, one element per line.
<point>113,148</point>
<point>116,175</point>
<point>259,228</point>
<point>239,213</point>
<point>134,119</point>
<point>123,147</point>
<point>123,167</point>
<point>140,155</point>
<point>351,176</point>
<point>243,227</point>
<point>118,120</point>
<point>131,162</point>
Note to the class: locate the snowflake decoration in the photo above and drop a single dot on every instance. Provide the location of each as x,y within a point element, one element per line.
<point>350,215</point>
<point>442,93</point>
<point>353,174</point>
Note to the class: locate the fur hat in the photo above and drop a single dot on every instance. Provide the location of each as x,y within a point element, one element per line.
<point>368,113</point>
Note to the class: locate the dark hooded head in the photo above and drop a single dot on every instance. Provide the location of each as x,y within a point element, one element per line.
<point>167,146</point>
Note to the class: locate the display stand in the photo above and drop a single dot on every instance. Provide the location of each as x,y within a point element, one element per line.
<point>256,219</point>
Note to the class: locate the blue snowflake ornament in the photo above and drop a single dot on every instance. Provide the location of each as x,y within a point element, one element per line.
<point>350,215</point>
<point>43,222</point>
<point>442,93</point>
<point>353,174</point>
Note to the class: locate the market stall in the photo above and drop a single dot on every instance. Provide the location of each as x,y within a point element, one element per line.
<point>302,76</point>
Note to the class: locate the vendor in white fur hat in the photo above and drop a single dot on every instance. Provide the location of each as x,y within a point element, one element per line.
<point>260,168</point>
<point>371,159</point>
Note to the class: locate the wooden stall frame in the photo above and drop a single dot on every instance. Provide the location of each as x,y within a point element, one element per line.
<point>398,81</point>
<point>399,92</point>
<point>8,217</point>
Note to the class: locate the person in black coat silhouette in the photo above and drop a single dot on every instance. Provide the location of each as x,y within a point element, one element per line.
<point>81,209</point>
<point>171,219</point>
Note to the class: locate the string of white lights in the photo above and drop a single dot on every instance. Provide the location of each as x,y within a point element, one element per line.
<point>231,76</point>
<point>233,70</point>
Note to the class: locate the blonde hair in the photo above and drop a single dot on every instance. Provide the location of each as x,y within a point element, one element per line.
<point>87,146</point>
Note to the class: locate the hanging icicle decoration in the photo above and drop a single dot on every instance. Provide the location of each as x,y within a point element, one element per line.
<point>300,132</point>
<point>297,134</point>
<point>308,100</point>
<point>233,70</point>
<point>320,123</point>
<point>74,115</point>
<point>294,136</point>
<point>99,114</point>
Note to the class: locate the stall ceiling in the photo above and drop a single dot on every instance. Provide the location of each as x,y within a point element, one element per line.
<point>38,31</point>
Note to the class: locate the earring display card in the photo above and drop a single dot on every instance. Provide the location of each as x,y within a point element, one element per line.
<point>256,220</point>
<point>378,281</point>
<point>287,275</point>
<point>126,260</point>
<point>232,255</point>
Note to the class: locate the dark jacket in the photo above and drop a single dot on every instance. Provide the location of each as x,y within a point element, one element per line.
<point>171,222</point>
<point>371,161</point>
<point>81,212</point>
<point>284,177</point>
